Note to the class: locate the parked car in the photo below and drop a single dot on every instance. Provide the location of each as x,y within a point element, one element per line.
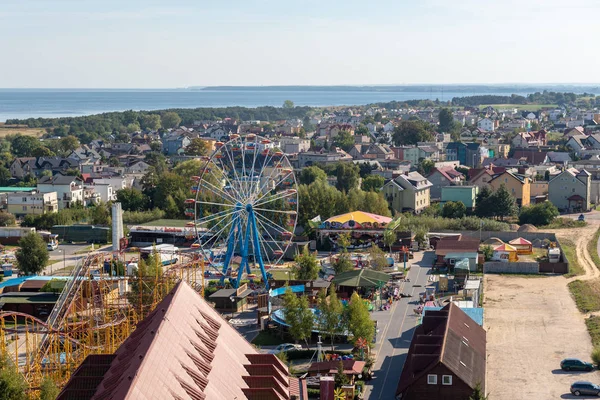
<point>574,364</point>
<point>52,246</point>
<point>285,347</point>
<point>581,387</point>
<point>581,217</point>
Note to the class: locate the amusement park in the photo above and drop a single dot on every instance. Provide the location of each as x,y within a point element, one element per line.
<point>237,281</point>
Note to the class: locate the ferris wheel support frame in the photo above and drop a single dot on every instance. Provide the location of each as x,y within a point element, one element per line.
<point>251,229</point>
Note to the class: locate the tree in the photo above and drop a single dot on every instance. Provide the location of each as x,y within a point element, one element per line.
<point>478,394</point>
<point>344,140</point>
<point>48,389</point>
<point>23,146</point>
<point>298,316</point>
<point>347,176</point>
<point>170,120</point>
<point>7,219</point>
<point>12,384</point>
<point>360,324</point>
<point>146,290</point>
<point>361,130</point>
<point>454,209</point>
<point>170,193</point>
<point>150,121</point>
<point>372,183</point>
<point>488,252</point>
<point>32,254</point>
<point>100,214</point>
<point>340,377</point>
<point>343,263</point>
<point>389,238</point>
<point>42,151</point>
<point>306,267</point>
<point>288,104</point>
<point>344,241</point>
<point>503,203</point>
<point>377,257</point>
<point>197,147</point>
<point>133,127</point>
<point>310,174</point>
<point>68,144</point>
<point>132,199</point>
<point>331,312</point>
<point>483,207</point>
<point>538,214</point>
<point>446,120</point>
<point>412,132</point>
<point>421,237</point>
<point>5,175</point>
<point>425,166</point>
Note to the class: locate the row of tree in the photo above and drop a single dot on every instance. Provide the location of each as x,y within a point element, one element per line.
<point>333,319</point>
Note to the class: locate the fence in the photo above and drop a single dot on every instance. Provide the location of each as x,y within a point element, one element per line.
<point>554,268</point>
<point>493,267</point>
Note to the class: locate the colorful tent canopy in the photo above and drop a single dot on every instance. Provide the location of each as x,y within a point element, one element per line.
<point>520,241</point>
<point>505,247</point>
<point>366,278</point>
<point>356,220</point>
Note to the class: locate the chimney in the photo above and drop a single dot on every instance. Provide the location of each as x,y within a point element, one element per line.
<point>327,385</point>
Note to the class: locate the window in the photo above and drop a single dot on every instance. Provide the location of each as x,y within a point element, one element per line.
<point>446,379</point>
<point>432,379</point>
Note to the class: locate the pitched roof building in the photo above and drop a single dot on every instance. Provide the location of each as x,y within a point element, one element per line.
<point>446,358</point>
<point>183,350</point>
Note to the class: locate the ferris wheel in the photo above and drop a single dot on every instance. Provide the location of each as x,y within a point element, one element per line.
<point>245,209</point>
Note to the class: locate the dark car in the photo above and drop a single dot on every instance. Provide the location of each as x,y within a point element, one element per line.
<point>579,388</point>
<point>581,217</point>
<point>574,364</point>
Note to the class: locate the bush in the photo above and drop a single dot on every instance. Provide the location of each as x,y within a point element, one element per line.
<point>409,222</point>
<point>141,217</point>
<point>596,355</point>
<point>7,219</point>
<point>454,209</point>
<point>538,214</point>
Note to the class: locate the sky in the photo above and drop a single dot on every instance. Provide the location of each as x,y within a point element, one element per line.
<point>179,43</point>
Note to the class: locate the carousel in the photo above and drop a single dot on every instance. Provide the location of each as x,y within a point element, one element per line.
<point>364,228</point>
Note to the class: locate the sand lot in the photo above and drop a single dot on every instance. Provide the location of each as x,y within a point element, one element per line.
<point>532,323</point>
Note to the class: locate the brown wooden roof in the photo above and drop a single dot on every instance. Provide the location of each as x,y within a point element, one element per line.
<point>449,337</point>
<point>451,245</point>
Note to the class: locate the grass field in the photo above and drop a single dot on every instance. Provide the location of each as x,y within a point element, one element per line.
<point>6,130</point>
<point>586,294</point>
<point>173,223</point>
<point>593,326</point>
<point>574,267</point>
<point>529,107</point>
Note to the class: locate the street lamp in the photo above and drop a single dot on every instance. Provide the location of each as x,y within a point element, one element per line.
<point>232,301</point>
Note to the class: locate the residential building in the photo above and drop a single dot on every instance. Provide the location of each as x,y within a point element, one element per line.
<point>31,203</point>
<point>408,192</point>
<point>441,177</point>
<point>464,194</point>
<point>525,140</point>
<point>175,143</point>
<point>577,143</point>
<point>309,158</point>
<point>486,124</point>
<point>105,191</point>
<point>293,145</point>
<point>446,358</point>
<point>517,185</point>
<point>570,190</point>
<point>539,189</point>
<point>116,182</point>
<point>457,151</point>
<point>69,189</point>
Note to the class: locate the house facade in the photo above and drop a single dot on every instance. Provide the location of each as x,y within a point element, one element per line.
<point>441,177</point>
<point>408,192</point>
<point>464,194</point>
<point>32,203</point>
<point>517,185</point>
<point>69,189</point>
<point>570,190</point>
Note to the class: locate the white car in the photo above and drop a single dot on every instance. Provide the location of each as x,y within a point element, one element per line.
<point>52,246</point>
<point>285,347</point>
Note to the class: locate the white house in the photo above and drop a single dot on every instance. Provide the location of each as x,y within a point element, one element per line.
<point>69,189</point>
<point>486,124</point>
<point>117,182</point>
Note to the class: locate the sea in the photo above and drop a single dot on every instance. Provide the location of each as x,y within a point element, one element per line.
<point>52,103</point>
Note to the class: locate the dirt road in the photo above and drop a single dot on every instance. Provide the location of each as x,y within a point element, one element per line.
<point>532,323</point>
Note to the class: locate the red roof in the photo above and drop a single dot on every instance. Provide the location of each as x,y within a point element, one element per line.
<point>520,241</point>
<point>451,245</point>
<point>351,367</point>
<point>184,349</point>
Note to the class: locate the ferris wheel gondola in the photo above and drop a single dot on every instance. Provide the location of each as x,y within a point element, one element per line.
<point>245,209</point>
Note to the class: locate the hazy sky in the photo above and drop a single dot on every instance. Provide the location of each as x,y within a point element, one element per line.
<point>178,43</point>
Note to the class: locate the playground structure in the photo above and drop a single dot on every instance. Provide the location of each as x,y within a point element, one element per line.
<point>96,311</point>
<point>245,209</point>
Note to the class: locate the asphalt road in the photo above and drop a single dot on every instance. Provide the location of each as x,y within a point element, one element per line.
<point>396,328</point>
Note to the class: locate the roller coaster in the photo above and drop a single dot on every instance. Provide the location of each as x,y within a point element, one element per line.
<point>94,314</point>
